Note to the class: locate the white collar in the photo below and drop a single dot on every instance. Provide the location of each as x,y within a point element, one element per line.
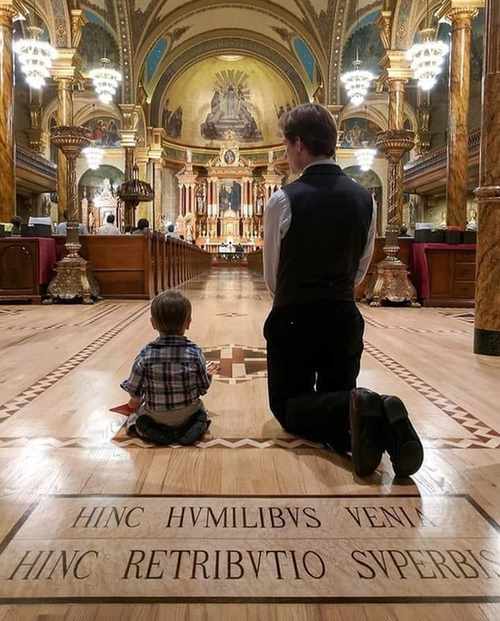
<point>328,161</point>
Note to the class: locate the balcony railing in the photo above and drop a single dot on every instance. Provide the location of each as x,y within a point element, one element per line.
<point>435,161</point>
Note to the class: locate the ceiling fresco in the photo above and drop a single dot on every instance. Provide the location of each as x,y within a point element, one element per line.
<point>215,96</point>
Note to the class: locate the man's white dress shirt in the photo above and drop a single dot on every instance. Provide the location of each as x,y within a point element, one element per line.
<point>277,221</point>
<point>108,229</point>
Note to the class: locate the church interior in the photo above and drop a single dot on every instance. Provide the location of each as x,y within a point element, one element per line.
<point>140,145</point>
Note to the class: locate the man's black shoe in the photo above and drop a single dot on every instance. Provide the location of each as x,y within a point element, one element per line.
<point>402,442</point>
<point>366,417</point>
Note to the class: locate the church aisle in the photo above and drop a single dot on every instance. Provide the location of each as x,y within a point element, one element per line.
<point>62,452</point>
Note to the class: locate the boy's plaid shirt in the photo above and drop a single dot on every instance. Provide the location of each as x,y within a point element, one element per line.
<point>168,373</point>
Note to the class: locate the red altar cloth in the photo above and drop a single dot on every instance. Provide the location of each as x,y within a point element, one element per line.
<point>46,257</point>
<point>420,268</point>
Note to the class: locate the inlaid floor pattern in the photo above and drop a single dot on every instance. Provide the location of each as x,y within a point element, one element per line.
<point>239,532</point>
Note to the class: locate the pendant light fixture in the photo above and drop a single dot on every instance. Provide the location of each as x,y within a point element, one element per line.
<point>365,157</point>
<point>35,57</point>
<point>427,57</point>
<point>105,80</point>
<point>357,82</point>
<point>94,156</point>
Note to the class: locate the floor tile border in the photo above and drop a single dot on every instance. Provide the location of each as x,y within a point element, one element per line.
<point>22,399</point>
<point>483,435</point>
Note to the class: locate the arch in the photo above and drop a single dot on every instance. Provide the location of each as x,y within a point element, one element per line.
<point>106,171</point>
<point>92,110</point>
<point>175,19</point>
<point>209,47</point>
<point>45,13</point>
<point>369,112</point>
<point>372,182</point>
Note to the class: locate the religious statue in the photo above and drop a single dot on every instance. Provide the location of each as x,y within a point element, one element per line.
<point>201,197</point>
<point>472,223</point>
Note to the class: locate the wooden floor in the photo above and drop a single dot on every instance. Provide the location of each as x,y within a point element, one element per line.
<point>59,374</point>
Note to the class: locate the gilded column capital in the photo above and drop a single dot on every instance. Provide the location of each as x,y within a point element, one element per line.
<point>130,124</point>
<point>384,24</point>
<point>78,21</point>
<point>458,10</point>
<point>7,13</point>
<point>396,66</point>
<point>64,65</point>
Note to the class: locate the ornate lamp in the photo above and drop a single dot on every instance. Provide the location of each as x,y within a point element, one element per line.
<point>94,156</point>
<point>427,57</point>
<point>105,80</point>
<point>365,157</point>
<point>73,279</point>
<point>35,56</point>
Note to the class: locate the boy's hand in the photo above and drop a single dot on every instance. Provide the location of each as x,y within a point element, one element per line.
<point>213,367</point>
<point>133,404</point>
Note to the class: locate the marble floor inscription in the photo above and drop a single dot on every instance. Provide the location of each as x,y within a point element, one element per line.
<point>72,548</point>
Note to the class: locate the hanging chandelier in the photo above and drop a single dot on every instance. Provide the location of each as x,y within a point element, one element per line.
<point>94,156</point>
<point>357,82</point>
<point>35,56</point>
<point>365,157</point>
<point>105,80</point>
<point>427,57</point>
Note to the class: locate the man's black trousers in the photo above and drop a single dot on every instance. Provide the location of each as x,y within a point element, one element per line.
<point>313,361</point>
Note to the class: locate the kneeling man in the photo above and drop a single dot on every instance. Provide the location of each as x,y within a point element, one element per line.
<point>319,234</point>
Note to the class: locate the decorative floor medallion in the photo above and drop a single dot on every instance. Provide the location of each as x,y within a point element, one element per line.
<point>238,363</point>
<point>307,549</point>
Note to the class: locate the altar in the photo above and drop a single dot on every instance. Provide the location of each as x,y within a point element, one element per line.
<point>223,203</point>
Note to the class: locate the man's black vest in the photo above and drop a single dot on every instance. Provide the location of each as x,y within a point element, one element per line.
<point>320,254</point>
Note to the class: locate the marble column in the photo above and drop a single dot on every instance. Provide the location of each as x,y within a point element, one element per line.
<point>65,118</point>
<point>7,159</point>
<point>487,322</point>
<point>458,115</point>
<point>396,172</point>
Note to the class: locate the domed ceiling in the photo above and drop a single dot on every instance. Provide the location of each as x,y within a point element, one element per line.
<point>226,93</point>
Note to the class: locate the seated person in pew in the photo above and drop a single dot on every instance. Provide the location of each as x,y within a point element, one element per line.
<point>171,231</point>
<point>168,378</point>
<point>16,222</point>
<point>61,228</point>
<point>142,227</point>
<point>109,228</point>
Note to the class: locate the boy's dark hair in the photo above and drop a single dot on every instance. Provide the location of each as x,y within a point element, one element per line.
<point>170,310</point>
<point>143,224</point>
<point>314,125</point>
<point>170,228</point>
<point>110,218</point>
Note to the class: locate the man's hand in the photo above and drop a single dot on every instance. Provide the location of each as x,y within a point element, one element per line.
<point>213,367</point>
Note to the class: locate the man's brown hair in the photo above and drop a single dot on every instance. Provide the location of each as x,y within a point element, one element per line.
<point>314,125</point>
<point>170,310</point>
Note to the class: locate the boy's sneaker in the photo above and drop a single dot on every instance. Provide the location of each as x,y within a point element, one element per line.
<point>367,417</point>
<point>402,442</point>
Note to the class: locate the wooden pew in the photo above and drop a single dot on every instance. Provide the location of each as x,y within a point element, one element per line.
<point>139,266</point>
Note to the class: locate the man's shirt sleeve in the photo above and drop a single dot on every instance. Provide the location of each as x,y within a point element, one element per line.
<point>364,262</point>
<point>277,220</point>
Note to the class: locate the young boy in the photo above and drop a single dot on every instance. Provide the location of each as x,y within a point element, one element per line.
<point>168,377</point>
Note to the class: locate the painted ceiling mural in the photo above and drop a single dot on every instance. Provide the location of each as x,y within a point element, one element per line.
<point>215,96</point>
